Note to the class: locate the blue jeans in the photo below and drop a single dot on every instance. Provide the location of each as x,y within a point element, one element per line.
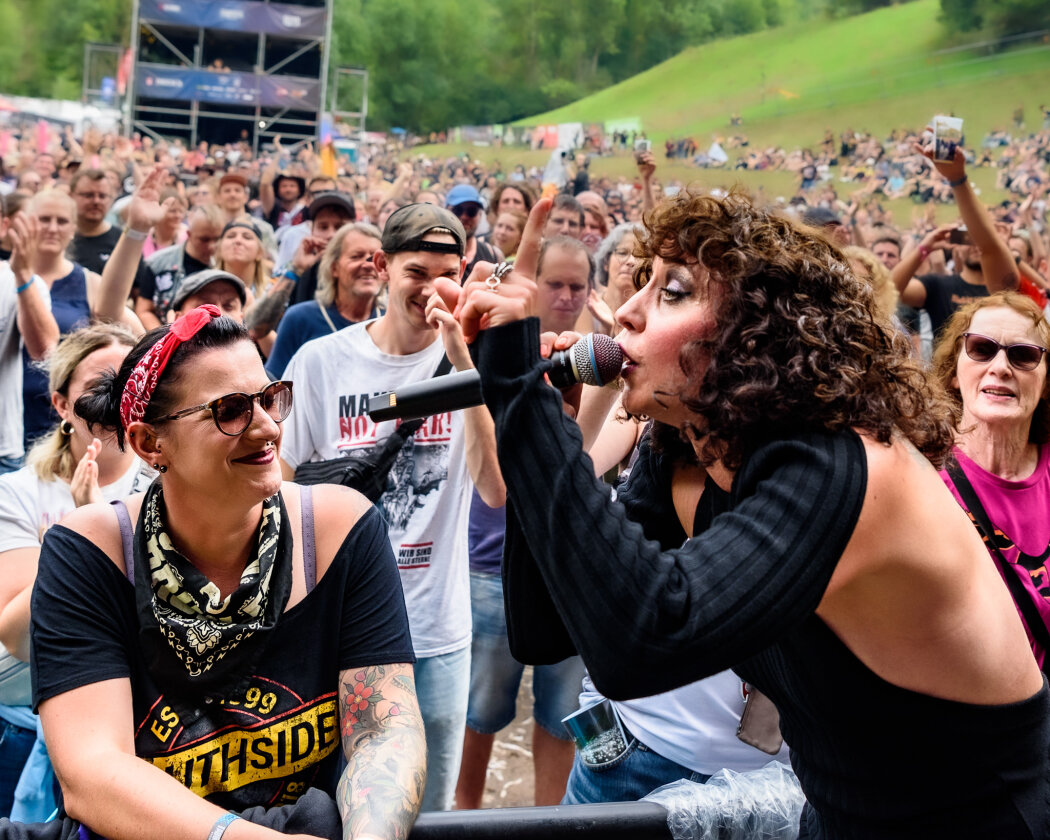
<point>495,675</point>
<point>637,771</point>
<point>441,686</point>
<point>9,464</point>
<point>15,745</point>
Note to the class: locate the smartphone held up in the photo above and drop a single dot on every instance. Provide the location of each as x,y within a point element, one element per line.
<point>947,137</point>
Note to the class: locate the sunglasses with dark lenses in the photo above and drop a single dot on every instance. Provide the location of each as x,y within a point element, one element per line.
<point>468,210</point>
<point>233,413</point>
<point>981,348</point>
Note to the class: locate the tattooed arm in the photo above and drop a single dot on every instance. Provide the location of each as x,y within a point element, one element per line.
<point>381,789</point>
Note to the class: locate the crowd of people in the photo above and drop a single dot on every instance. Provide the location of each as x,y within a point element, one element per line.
<point>825,474</point>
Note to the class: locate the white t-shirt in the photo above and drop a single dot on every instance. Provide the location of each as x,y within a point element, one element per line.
<point>694,725</point>
<point>427,502</point>
<point>29,505</point>
<point>11,430</point>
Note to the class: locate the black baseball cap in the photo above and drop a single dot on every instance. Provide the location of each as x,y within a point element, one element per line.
<point>332,198</point>
<point>406,228</point>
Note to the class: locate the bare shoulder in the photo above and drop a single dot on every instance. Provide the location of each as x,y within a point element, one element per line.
<point>897,466</point>
<point>337,510</point>
<point>98,524</point>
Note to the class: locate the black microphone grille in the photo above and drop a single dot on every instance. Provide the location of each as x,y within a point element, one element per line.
<point>597,358</point>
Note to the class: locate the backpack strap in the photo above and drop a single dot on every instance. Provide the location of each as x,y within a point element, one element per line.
<point>984,526</point>
<point>306,506</point>
<point>127,538</point>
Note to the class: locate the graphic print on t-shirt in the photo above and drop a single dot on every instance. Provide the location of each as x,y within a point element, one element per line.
<point>1035,566</point>
<point>417,476</point>
<point>269,736</point>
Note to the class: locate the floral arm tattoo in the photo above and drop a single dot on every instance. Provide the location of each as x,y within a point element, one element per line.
<point>381,789</point>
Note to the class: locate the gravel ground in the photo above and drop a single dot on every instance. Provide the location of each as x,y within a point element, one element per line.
<point>509,782</point>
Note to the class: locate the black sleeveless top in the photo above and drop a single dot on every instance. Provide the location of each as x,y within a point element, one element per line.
<point>582,574</point>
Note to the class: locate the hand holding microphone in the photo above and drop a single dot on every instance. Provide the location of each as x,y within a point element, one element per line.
<point>595,359</point>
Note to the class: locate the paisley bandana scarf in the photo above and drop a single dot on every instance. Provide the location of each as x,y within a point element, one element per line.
<point>211,636</point>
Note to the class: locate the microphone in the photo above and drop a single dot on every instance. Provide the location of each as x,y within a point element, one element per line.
<point>595,359</point>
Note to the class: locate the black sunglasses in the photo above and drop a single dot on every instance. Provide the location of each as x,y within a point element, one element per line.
<point>469,210</point>
<point>981,348</point>
<point>233,413</point>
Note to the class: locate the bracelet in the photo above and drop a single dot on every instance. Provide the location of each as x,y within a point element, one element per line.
<point>221,824</point>
<point>289,274</point>
<point>26,285</point>
<point>137,235</point>
<point>958,182</point>
<point>924,252</point>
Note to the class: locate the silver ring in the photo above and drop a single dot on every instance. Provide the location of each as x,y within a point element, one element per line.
<point>502,270</point>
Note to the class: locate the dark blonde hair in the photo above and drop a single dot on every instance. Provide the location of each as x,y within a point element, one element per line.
<point>950,345</point>
<point>52,457</point>
<point>798,347</point>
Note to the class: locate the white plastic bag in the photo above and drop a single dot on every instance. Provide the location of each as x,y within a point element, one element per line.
<point>761,804</point>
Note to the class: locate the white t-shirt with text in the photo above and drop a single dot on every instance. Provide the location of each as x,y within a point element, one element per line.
<point>427,500</point>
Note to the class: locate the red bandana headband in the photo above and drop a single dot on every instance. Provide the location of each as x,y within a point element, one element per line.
<point>144,378</point>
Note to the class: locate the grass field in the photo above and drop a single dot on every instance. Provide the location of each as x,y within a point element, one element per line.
<point>874,72</point>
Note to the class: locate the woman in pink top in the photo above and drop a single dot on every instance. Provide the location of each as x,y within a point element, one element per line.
<point>992,357</point>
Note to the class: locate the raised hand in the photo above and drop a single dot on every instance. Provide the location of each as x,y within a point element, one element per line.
<point>478,305</point>
<point>145,209</point>
<point>25,234</point>
<point>84,484</point>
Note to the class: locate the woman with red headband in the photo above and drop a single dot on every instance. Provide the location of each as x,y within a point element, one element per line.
<point>226,628</point>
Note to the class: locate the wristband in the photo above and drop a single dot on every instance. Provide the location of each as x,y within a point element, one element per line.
<point>221,824</point>
<point>289,274</point>
<point>958,182</point>
<point>924,252</point>
<point>26,285</point>
<point>137,235</point>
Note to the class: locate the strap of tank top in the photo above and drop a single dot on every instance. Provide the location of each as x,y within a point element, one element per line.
<point>127,538</point>
<point>306,504</point>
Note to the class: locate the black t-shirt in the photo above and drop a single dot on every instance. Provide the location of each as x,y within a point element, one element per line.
<point>93,252</point>
<point>265,744</point>
<point>945,293</point>
<point>483,253</point>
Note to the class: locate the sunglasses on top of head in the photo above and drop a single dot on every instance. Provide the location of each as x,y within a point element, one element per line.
<point>233,413</point>
<point>981,348</point>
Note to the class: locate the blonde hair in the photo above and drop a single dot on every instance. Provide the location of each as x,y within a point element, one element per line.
<point>326,283</point>
<point>886,294</point>
<point>256,284</point>
<point>51,457</point>
<point>46,195</point>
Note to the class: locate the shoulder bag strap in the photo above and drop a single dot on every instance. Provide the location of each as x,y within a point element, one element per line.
<point>127,538</point>
<point>985,528</point>
<point>327,317</point>
<point>306,523</point>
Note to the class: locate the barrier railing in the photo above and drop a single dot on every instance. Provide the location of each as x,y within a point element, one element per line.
<point>608,821</point>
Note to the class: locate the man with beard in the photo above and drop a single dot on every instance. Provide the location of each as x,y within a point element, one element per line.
<point>983,263</point>
<point>348,285</point>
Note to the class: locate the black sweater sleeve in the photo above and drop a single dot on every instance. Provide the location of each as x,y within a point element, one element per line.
<point>630,608</point>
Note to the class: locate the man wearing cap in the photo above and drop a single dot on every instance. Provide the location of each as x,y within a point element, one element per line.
<point>166,268</point>
<point>291,236</point>
<point>297,282</point>
<point>427,500</point>
<point>281,197</point>
<point>829,223</point>
<point>233,202</point>
<point>466,203</point>
<point>220,288</point>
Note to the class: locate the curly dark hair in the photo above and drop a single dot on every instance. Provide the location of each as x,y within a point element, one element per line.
<point>799,347</point>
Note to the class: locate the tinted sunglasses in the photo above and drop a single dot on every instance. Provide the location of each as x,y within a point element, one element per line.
<point>469,210</point>
<point>980,348</point>
<point>233,413</point>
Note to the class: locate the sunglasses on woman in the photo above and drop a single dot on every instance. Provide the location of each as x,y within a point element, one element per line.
<point>981,348</point>
<point>233,413</point>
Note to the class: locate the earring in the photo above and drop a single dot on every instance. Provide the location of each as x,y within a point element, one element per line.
<point>65,428</point>
<point>161,468</point>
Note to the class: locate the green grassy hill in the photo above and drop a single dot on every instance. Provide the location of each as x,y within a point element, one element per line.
<point>871,72</point>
